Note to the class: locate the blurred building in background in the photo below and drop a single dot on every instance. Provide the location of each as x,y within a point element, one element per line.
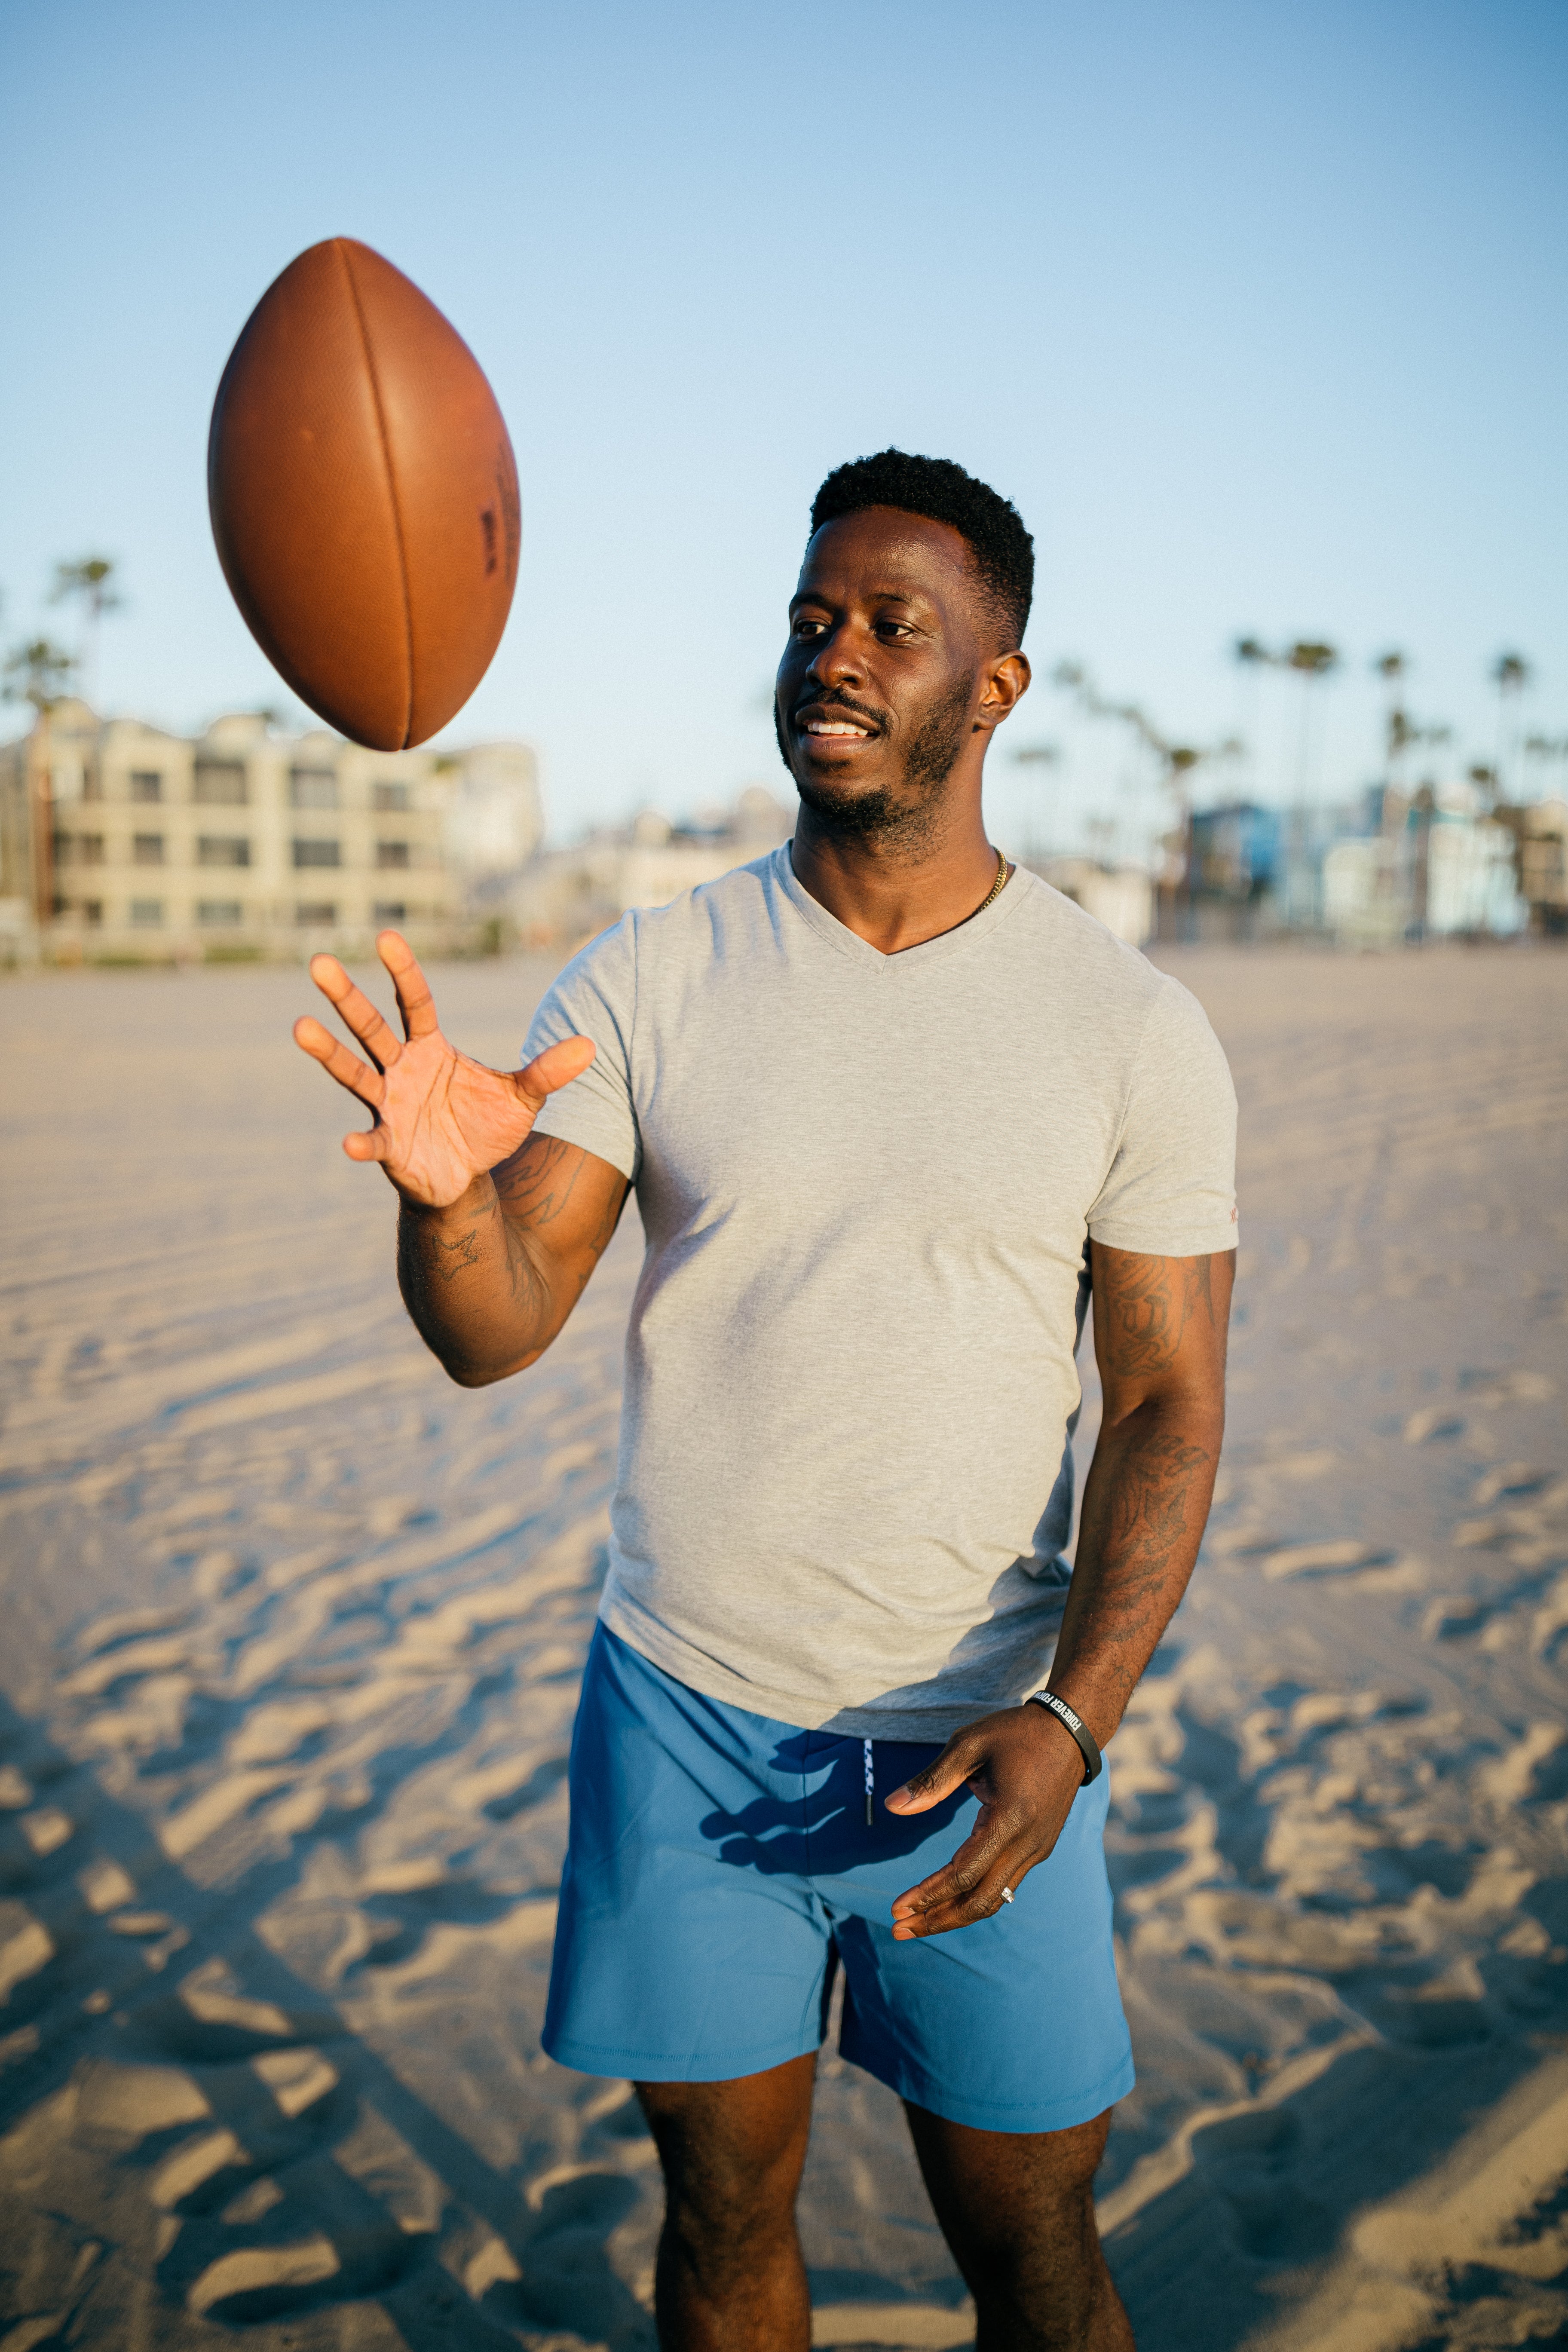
<point>121,843</point>
<point>567,895</point>
<point>1119,897</point>
<point>1393,869</point>
<point>1540,832</point>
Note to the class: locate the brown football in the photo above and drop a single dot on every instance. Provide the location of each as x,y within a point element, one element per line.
<point>363,497</point>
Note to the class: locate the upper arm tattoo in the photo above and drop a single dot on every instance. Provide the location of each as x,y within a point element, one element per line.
<point>1148,1303</point>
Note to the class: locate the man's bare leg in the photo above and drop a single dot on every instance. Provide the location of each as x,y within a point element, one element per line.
<point>1017,2210</point>
<point>729,2275</point>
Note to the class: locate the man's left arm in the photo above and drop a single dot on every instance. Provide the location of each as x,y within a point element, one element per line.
<point>1159,1338</point>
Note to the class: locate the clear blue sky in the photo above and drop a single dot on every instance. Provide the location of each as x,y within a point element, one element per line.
<point>1258,313</point>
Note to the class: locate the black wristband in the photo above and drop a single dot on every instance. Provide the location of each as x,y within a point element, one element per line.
<point>1092,1758</point>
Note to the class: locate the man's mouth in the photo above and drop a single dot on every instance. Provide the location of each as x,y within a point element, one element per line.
<point>833,726</point>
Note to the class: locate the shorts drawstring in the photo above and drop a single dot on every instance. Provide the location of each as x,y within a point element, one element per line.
<point>870,1787</point>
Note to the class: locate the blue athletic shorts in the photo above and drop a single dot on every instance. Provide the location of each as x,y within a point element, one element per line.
<point>719,1866</point>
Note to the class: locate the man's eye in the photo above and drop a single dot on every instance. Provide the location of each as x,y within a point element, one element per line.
<point>892,628</point>
<point>804,628</point>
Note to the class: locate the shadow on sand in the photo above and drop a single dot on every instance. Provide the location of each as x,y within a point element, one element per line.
<point>212,2100</point>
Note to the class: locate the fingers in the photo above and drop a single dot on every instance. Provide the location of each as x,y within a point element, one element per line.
<point>554,1069</point>
<point>968,1889</point>
<point>959,1879</point>
<point>415,1001</point>
<point>356,1011</point>
<point>946,1773</point>
<point>338,1062</point>
<point>366,1143</point>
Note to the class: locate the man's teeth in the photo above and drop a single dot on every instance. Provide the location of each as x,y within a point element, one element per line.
<point>833,727</point>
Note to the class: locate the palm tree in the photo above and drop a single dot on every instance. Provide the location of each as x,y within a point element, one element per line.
<point>87,584</point>
<point>1392,669</point>
<point>39,673</point>
<point>1311,661</point>
<point>1510,676</point>
<point>1251,655</point>
<point>1036,755</point>
<point>1175,762</point>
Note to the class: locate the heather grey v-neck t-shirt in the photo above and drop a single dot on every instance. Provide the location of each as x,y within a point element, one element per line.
<point>865,1183</point>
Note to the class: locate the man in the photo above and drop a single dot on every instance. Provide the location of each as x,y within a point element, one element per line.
<point>891,1109</point>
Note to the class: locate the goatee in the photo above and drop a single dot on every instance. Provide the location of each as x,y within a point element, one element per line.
<point>900,816</point>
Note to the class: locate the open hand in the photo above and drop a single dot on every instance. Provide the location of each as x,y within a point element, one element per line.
<point>440,1119</point>
<point>1026,1769</point>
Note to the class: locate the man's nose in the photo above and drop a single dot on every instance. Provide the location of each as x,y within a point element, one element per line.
<point>836,659</point>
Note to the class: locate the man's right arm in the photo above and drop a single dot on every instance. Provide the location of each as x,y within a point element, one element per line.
<point>490,1279</point>
<point>499,1228</point>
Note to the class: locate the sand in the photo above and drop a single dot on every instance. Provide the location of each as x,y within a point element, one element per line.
<point>291,1639</point>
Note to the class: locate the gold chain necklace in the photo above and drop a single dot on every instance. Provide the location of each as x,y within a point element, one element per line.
<point>1002,871</point>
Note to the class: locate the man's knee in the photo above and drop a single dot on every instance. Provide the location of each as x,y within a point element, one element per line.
<point>1012,2203</point>
<point>732,2154</point>
<point>1017,2210</point>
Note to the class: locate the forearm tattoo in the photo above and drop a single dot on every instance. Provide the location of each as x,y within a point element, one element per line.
<point>534,1185</point>
<point>525,1278</point>
<point>1160,1328</point>
<point>429,1251</point>
<point>447,1259</point>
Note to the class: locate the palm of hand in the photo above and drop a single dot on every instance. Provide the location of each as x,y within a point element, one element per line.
<point>441,1119</point>
<point>445,1119</point>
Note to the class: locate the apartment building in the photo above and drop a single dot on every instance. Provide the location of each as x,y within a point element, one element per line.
<point>120,840</point>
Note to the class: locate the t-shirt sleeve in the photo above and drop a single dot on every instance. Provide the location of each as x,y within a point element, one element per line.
<point>1170,1191</point>
<point>594,997</point>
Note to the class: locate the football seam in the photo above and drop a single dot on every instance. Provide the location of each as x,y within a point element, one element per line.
<point>391,482</point>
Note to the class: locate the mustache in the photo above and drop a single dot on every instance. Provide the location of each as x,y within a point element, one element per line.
<point>838,700</point>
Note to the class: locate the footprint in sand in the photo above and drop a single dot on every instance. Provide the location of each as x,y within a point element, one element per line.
<point>1321,1558</point>
<point>1509,1478</point>
<point>1484,1388</point>
<point>1454,1613</point>
<point>1536,1768</point>
<point>1433,1421</point>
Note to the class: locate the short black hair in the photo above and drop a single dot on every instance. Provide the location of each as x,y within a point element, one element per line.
<point>1002,550</point>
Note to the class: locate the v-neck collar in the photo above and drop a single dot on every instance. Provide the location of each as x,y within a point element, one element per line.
<point>967,934</point>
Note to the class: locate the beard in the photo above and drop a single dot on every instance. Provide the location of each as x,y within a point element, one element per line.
<point>897,816</point>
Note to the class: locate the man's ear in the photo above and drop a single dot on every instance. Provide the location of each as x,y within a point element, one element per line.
<point>1005,686</point>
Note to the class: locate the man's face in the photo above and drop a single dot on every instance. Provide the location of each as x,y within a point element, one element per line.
<point>884,671</point>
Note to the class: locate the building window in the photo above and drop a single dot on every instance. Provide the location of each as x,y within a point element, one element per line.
<point>389,910</point>
<point>316,911</point>
<point>223,849</point>
<point>391,852</point>
<point>89,849</point>
<point>146,784</point>
<point>315,788</point>
<point>220,784</point>
<point>389,796</point>
<point>146,911</point>
<point>92,912</point>
<point>147,849</point>
<point>316,852</point>
<point>219,910</point>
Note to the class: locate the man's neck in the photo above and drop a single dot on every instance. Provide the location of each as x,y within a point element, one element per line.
<point>893,898</point>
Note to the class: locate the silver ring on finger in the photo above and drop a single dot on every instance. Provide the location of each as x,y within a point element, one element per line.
<point>1006,1895</point>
